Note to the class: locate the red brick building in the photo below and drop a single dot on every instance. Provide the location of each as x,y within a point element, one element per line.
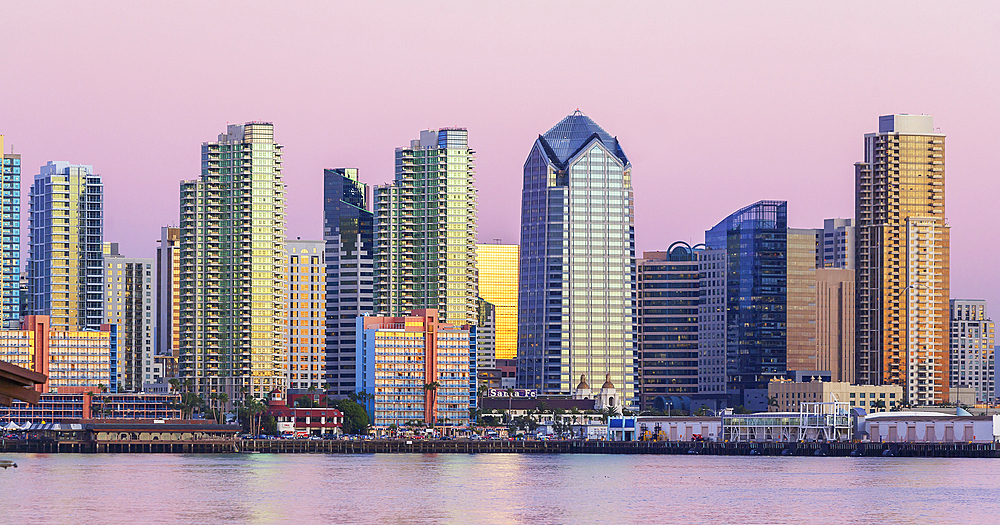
<point>292,419</point>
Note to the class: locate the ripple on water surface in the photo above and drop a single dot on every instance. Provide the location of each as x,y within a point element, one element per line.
<point>495,488</point>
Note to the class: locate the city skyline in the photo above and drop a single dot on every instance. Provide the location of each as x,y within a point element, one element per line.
<point>745,73</point>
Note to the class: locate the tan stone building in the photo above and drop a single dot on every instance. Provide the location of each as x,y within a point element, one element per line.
<point>788,395</point>
<point>835,323</point>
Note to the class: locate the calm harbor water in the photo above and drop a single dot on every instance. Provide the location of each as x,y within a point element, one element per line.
<point>495,488</point>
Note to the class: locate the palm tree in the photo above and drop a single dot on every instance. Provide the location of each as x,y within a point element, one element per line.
<point>772,401</point>
<point>175,384</point>
<point>223,400</point>
<point>255,408</point>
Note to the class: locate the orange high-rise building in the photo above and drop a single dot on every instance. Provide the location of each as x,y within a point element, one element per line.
<point>902,260</point>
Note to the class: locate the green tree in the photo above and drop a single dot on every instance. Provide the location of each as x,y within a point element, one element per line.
<point>355,417</point>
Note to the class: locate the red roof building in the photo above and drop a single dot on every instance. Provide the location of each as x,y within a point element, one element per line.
<point>294,420</point>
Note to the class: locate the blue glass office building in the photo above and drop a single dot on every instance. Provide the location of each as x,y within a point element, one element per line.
<point>754,244</point>
<point>349,235</point>
<point>577,277</point>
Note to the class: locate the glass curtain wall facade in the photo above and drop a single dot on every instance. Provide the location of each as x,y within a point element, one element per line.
<point>66,259</point>
<point>903,260</point>
<point>577,307</point>
<point>755,243</point>
<point>669,296</point>
<point>348,230</point>
<point>232,255</point>
<point>10,244</point>
<point>800,302</point>
<point>425,229</point>
<point>498,277</point>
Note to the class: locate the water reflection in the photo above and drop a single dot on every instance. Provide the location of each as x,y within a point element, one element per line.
<point>494,488</point>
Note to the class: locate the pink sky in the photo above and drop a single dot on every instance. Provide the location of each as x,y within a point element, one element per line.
<point>717,105</point>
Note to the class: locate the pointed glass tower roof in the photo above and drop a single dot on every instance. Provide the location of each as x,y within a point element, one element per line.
<point>572,133</point>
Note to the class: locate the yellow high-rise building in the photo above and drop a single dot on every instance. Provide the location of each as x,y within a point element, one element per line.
<point>903,260</point>
<point>498,280</point>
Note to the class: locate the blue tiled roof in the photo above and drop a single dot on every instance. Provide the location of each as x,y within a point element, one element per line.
<point>566,138</point>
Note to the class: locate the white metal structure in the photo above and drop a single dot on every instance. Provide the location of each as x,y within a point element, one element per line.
<point>829,421</point>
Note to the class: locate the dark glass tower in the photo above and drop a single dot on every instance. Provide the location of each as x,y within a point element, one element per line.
<point>577,274</point>
<point>349,237</point>
<point>753,242</point>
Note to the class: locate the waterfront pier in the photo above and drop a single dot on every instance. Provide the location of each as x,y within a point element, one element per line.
<point>293,446</point>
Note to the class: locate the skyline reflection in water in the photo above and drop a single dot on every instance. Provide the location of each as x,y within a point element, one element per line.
<point>494,488</point>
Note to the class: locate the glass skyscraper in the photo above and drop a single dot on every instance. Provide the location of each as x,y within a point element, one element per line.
<point>745,319</point>
<point>497,264</point>
<point>10,244</point>
<point>577,307</point>
<point>232,266</point>
<point>349,236</point>
<point>425,230</point>
<point>66,262</point>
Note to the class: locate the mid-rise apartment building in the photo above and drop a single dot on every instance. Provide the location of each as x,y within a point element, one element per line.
<point>786,395</point>
<point>415,367</point>
<point>972,355</point>
<point>74,360</point>
<point>129,304</point>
